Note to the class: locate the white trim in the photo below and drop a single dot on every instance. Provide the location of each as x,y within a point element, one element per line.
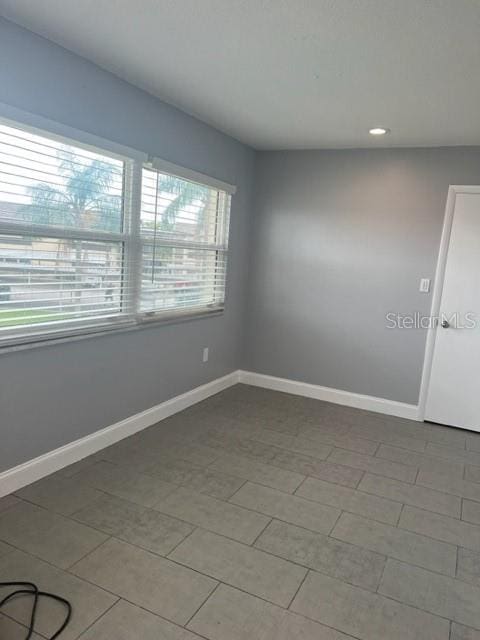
<point>13,479</point>
<point>189,174</point>
<point>328,394</point>
<point>453,190</point>
<point>40,125</point>
<point>28,472</point>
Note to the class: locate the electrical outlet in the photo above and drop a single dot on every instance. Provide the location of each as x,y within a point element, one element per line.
<point>205,354</point>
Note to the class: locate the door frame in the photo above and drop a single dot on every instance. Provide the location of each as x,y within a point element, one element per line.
<point>437,291</point>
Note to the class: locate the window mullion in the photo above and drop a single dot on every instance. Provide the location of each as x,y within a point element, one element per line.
<point>133,245</point>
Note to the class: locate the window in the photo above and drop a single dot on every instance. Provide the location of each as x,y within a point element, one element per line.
<point>184,229</point>
<point>82,249</point>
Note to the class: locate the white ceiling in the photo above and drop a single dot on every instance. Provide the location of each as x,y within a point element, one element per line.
<point>280,74</point>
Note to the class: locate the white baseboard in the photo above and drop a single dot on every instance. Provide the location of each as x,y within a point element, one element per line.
<point>338,396</point>
<point>28,472</point>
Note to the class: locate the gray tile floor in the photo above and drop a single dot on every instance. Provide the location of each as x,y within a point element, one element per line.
<point>256,515</point>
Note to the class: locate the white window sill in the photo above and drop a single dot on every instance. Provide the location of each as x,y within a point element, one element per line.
<point>147,322</point>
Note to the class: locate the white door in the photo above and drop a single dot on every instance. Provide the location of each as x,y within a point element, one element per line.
<point>454,390</point>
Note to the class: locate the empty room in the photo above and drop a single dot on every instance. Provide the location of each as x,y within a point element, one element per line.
<point>239,320</point>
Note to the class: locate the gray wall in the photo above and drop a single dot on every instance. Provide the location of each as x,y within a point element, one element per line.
<point>50,396</point>
<point>340,239</point>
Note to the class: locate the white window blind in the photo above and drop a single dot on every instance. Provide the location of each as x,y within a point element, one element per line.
<point>82,248</point>
<point>184,234</point>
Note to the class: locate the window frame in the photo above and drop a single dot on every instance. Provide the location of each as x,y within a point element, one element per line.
<point>226,191</point>
<point>13,338</point>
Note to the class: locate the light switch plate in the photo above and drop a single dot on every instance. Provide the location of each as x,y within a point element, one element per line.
<point>424,285</point>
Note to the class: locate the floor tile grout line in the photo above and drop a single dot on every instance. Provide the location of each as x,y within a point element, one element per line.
<point>388,556</point>
<point>381,595</point>
<point>68,573</point>
<point>374,454</point>
<point>407,604</point>
<point>329,534</point>
<point>175,546</point>
<point>118,596</point>
<point>382,475</point>
<point>260,462</point>
<point>443,515</point>
<point>379,495</point>
<point>323,504</point>
<point>383,573</point>
<point>248,593</point>
<point>400,516</point>
<point>185,625</point>
<point>155,507</point>
<point>21,624</point>
<point>228,500</point>
<point>360,480</point>
<point>143,608</point>
<point>269,486</point>
<point>324,572</point>
<point>226,452</point>
<point>265,551</point>
<point>449,493</point>
<point>301,485</point>
<point>182,565</point>
<point>46,561</point>
<point>261,533</point>
<point>104,494</point>
<point>275,518</point>
<point>307,568</point>
<point>98,618</point>
<point>323,624</point>
<point>139,505</point>
<point>12,506</point>
<point>432,458</point>
<point>88,552</point>
<point>304,566</point>
<point>237,490</point>
<point>312,500</point>
<point>394,445</point>
<point>298,589</point>
<point>268,602</point>
<point>437,573</point>
<point>284,468</point>
<point>118,535</point>
<point>303,528</point>
<point>425,451</point>
<point>379,459</point>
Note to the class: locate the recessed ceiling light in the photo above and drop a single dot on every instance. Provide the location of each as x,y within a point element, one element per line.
<point>378,131</point>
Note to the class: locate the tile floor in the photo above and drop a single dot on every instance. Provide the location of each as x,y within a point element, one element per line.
<point>256,515</point>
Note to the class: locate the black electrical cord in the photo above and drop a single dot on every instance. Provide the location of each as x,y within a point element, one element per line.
<point>36,594</point>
